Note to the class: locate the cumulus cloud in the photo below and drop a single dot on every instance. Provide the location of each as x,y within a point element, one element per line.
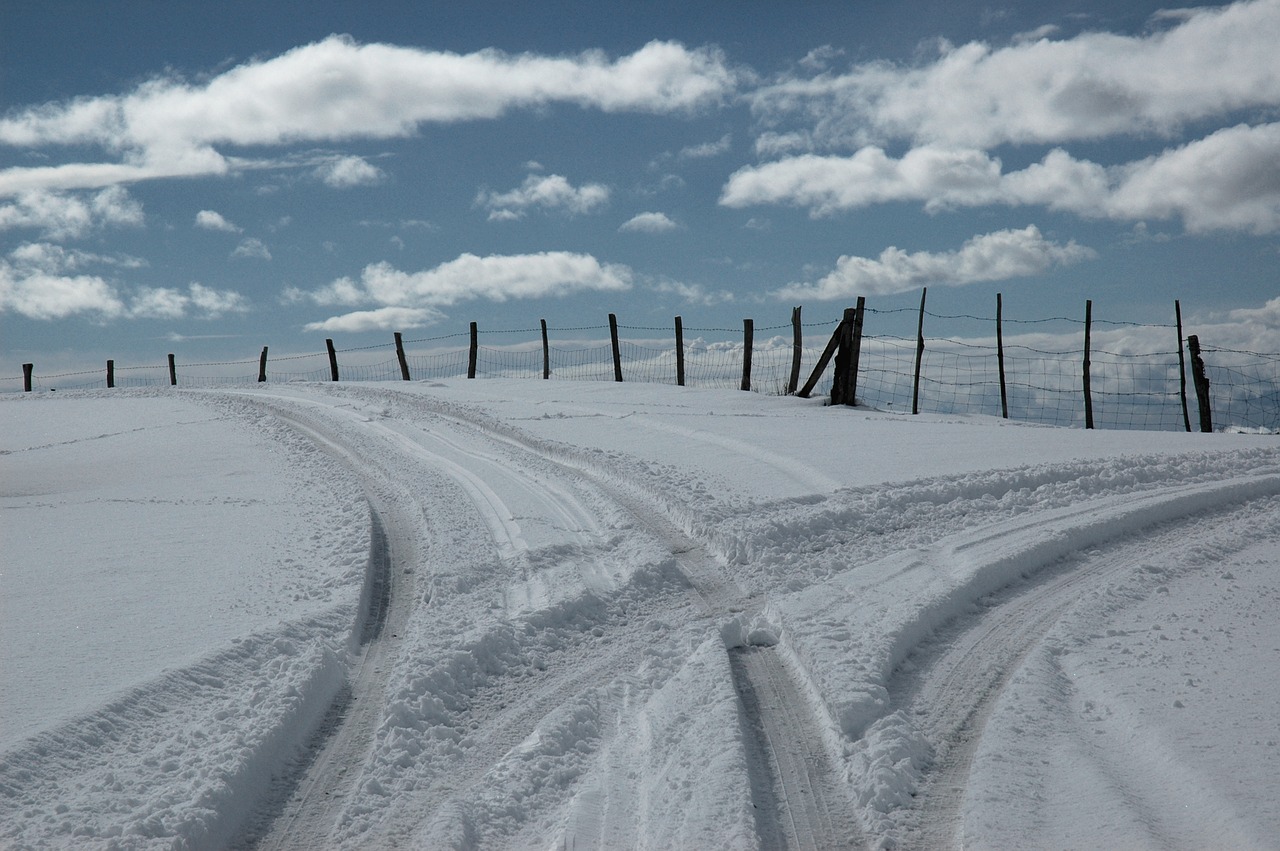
<point>468,277</point>
<point>1226,181</point>
<point>59,216</point>
<point>211,220</point>
<point>547,192</point>
<point>346,172</point>
<point>649,223</point>
<point>197,301</point>
<point>44,281</point>
<point>995,256</point>
<point>707,149</point>
<point>251,248</point>
<point>1211,62</point>
<point>339,89</point>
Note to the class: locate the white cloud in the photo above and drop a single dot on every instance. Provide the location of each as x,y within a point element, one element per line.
<point>649,223</point>
<point>692,293</point>
<point>39,295</point>
<point>1211,62</point>
<point>61,216</point>
<point>990,257</point>
<point>171,303</point>
<point>38,281</point>
<point>346,172</point>
<point>548,192</point>
<point>338,89</point>
<point>707,149</point>
<point>251,248</point>
<point>1226,181</point>
<point>468,277</point>
<point>211,220</point>
<point>382,319</point>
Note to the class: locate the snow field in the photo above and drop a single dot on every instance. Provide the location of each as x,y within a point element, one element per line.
<point>576,564</point>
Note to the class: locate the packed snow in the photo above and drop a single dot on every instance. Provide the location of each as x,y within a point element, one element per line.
<point>518,613</point>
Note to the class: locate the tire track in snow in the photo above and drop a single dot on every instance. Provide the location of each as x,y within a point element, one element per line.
<point>953,684</point>
<point>303,819</point>
<point>802,791</point>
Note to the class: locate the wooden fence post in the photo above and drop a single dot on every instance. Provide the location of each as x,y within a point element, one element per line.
<point>111,373</point>
<point>1088,397</point>
<point>748,342</point>
<point>27,368</point>
<point>173,371</point>
<point>546,351</point>
<point>797,350</point>
<point>404,362</point>
<point>262,365</point>
<point>679,352</point>
<point>915,387</point>
<point>333,360</point>
<point>617,352</point>
<point>1004,392</point>
<point>845,386</point>
<point>823,360</point>
<point>1182,367</point>
<point>475,346</point>
<point>1201,382</point>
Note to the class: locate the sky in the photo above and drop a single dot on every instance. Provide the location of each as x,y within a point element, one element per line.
<point>212,178</point>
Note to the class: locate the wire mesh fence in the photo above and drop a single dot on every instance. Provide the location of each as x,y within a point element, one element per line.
<point>1137,379</point>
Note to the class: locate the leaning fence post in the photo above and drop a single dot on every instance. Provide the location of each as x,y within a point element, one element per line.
<point>617,352</point>
<point>262,365</point>
<point>111,373</point>
<point>1004,393</point>
<point>797,349</point>
<point>1088,397</point>
<point>1201,382</point>
<point>404,362</point>
<point>475,345</point>
<point>173,371</point>
<point>333,360</point>
<point>748,341</point>
<point>679,352</point>
<point>915,387</point>
<point>26,376</point>
<point>546,351</point>
<point>1182,367</point>
<point>823,360</point>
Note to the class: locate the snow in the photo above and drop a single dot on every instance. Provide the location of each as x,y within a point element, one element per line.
<point>512,613</point>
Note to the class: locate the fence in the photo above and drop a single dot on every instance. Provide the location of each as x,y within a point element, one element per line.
<point>1095,373</point>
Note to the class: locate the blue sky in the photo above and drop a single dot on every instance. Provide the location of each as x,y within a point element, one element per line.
<point>212,178</point>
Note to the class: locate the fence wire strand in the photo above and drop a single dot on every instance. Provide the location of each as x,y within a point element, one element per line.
<point>1043,384</point>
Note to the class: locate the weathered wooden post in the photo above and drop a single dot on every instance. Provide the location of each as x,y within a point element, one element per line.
<point>404,362</point>
<point>748,342</point>
<point>617,352</point>
<point>1004,392</point>
<point>111,373</point>
<point>1088,397</point>
<point>915,387</point>
<point>823,360</point>
<point>475,346</point>
<point>546,352</point>
<point>27,369</point>
<point>1182,367</point>
<point>262,365</point>
<point>679,352</point>
<point>797,350</point>
<point>173,371</point>
<point>333,360</point>
<point>843,387</point>
<point>1201,382</point>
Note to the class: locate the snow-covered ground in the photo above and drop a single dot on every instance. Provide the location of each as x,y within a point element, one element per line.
<point>509,613</point>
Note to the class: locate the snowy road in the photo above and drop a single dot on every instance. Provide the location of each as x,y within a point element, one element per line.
<point>607,616</point>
